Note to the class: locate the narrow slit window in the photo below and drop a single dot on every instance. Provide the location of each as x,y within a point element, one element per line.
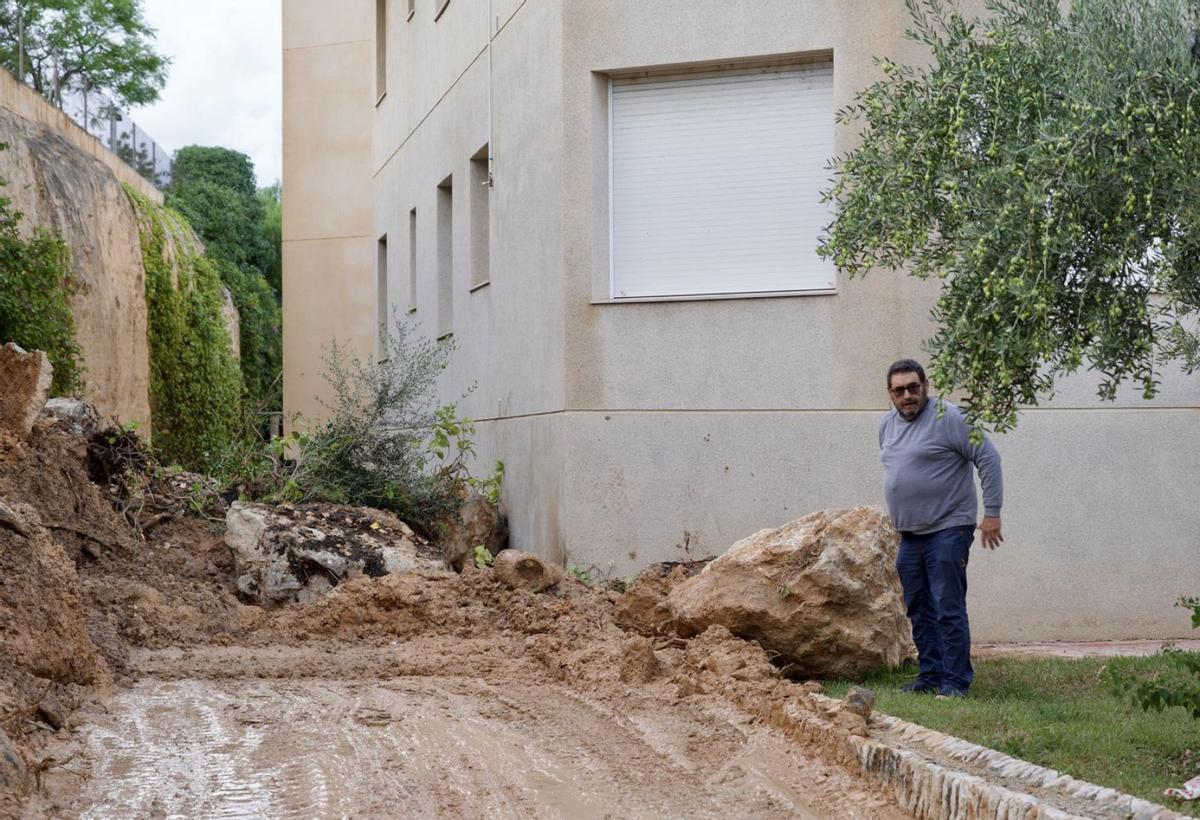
<point>481,194</point>
<point>445,250</point>
<point>412,260</point>
<point>381,298</point>
<point>380,48</point>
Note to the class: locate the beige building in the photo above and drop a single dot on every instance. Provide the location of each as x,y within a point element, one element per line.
<point>612,205</point>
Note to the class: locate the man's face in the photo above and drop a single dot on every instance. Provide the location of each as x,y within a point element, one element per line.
<point>909,394</point>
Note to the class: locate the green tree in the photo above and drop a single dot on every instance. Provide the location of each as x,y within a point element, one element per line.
<point>1043,167</point>
<point>214,188</point>
<point>100,44</point>
<point>271,198</point>
<point>220,166</point>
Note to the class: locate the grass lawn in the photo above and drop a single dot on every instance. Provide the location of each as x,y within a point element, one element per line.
<point>1061,714</point>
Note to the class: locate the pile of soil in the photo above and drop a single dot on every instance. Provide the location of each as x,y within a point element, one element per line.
<point>83,586</point>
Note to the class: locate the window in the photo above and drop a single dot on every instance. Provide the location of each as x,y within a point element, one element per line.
<point>715,182</point>
<point>441,7</point>
<point>380,48</point>
<point>412,260</point>
<point>481,194</point>
<point>412,8</point>
<point>381,299</point>
<point>445,251</point>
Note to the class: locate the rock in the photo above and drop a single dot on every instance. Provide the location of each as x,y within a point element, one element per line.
<point>860,701</point>
<point>284,554</point>
<point>643,607</point>
<point>479,523</point>
<point>821,592</point>
<point>638,662</point>
<point>12,767</point>
<point>75,415</point>
<point>51,711</point>
<point>524,570</point>
<point>26,378</point>
<point>9,520</point>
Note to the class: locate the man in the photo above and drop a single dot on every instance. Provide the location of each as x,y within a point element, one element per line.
<point>930,490</point>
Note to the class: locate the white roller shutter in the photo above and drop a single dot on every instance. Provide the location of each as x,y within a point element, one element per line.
<point>716,183</point>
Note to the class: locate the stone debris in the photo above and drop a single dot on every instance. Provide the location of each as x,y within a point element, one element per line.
<point>12,766</point>
<point>75,415</point>
<point>12,522</point>
<point>26,378</point>
<point>479,524</point>
<point>283,554</point>
<point>821,593</point>
<point>860,701</point>
<point>524,570</point>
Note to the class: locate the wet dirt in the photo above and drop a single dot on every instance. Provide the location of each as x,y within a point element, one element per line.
<point>321,736</point>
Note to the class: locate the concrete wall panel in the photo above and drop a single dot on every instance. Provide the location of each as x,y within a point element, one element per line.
<point>1083,559</point>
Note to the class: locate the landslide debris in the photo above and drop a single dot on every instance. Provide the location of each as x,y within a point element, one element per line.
<point>822,592</point>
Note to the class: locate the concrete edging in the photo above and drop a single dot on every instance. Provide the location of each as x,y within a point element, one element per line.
<point>930,789</point>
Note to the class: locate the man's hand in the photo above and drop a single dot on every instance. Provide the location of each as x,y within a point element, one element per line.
<point>989,532</point>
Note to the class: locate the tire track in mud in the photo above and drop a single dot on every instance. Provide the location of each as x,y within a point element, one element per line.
<point>514,745</point>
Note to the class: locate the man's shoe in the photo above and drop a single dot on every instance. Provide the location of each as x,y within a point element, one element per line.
<point>949,693</point>
<point>918,687</point>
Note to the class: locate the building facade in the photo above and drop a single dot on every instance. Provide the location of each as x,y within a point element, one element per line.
<point>613,207</point>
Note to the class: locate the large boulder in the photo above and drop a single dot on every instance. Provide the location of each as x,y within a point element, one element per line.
<point>26,378</point>
<point>293,554</point>
<point>822,592</point>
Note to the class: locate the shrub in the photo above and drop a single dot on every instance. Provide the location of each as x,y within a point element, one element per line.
<point>195,384</point>
<point>1177,685</point>
<point>36,285</point>
<point>386,443</point>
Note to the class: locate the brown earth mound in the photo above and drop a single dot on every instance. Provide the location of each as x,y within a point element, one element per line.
<point>84,586</point>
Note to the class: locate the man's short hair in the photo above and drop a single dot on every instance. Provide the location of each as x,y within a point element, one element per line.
<point>905,366</point>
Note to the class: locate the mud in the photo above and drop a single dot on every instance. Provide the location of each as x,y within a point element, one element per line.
<point>312,731</point>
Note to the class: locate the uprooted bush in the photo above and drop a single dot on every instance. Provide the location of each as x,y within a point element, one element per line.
<point>386,443</point>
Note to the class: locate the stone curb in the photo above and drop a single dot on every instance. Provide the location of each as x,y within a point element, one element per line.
<point>929,789</point>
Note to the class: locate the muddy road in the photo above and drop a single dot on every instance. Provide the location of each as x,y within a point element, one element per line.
<point>324,731</point>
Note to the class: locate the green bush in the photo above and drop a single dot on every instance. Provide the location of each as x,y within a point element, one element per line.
<point>386,444</point>
<point>36,285</point>
<point>1176,685</point>
<point>214,190</point>
<point>195,385</point>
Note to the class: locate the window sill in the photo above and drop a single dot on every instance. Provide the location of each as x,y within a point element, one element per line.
<point>379,99</point>
<point>412,310</point>
<point>410,16</point>
<point>446,336</point>
<point>716,297</point>
<point>480,285</point>
<point>441,10</point>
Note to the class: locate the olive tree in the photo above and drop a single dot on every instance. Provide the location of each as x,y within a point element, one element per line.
<point>1043,167</point>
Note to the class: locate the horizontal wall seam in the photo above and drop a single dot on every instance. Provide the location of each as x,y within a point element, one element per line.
<point>328,45</point>
<point>446,93</point>
<point>796,411</point>
<point>327,238</point>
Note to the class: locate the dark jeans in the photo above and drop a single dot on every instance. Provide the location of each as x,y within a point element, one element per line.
<point>933,573</point>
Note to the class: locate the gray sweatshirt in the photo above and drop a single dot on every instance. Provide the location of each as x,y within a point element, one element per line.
<point>927,477</point>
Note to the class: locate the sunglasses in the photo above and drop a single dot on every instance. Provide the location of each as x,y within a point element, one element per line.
<point>900,390</point>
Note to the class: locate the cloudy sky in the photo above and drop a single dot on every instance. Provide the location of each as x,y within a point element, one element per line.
<point>224,82</point>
